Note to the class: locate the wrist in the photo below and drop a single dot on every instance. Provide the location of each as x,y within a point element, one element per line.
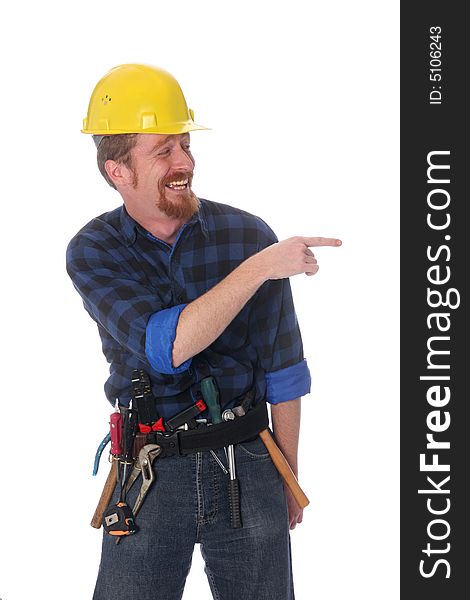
<point>257,268</point>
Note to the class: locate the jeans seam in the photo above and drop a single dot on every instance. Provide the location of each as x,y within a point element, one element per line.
<point>252,455</point>
<point>215,483</point>
<point>210,518</point>
<point>200,496</point>
<point>214,587</point>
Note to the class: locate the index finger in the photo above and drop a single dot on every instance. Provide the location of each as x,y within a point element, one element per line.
<point>321,241</point>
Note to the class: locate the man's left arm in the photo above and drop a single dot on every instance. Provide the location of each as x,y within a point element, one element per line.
<point>285,418</point>
<point>275,334</point>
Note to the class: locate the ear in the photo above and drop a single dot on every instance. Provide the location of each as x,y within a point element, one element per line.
<point>119,174</point>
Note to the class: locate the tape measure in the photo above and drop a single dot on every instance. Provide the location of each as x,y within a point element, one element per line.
<point>119,520</point>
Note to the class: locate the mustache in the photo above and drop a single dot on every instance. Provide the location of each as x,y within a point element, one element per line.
<point>177,176</point>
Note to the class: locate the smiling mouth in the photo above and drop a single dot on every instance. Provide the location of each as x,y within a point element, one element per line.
<point>178,185</point>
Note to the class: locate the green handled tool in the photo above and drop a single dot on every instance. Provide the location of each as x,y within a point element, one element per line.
<point>210,393</point>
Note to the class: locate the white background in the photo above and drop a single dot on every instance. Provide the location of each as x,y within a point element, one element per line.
<point>302,99</point>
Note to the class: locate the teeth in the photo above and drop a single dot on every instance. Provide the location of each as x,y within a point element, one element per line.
<point>178,183</point>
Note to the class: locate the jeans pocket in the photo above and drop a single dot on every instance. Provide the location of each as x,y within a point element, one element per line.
<point>255,449</point>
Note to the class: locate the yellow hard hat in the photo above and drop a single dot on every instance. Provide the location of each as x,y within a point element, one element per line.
<point>138,99</point>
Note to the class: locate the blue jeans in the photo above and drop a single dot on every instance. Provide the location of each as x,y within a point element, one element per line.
<point>188,504</point>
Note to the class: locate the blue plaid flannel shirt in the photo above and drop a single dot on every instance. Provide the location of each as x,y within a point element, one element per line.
<point>134,286</point>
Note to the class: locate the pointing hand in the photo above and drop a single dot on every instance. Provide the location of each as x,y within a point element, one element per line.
<point>292,256</point>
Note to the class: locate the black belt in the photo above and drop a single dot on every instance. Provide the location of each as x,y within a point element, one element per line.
<point>210,437</point>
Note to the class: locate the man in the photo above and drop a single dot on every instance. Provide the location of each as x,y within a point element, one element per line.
<point>187,289</point>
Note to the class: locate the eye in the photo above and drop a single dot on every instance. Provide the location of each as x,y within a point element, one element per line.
<point>164,152</point>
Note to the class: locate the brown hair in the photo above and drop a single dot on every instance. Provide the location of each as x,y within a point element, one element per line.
<point>118,148</point>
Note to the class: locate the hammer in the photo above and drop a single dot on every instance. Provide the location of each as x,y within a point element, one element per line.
<point>284,468</point>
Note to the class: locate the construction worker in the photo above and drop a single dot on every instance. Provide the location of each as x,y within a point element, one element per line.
<point>185,289</point>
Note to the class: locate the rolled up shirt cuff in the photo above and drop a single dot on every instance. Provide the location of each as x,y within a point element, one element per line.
<point>289,383</point>
<point>159,337</point>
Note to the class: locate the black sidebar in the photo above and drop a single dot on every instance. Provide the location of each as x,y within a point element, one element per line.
<point>435,269</point>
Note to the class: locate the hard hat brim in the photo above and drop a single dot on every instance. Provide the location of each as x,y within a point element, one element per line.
<point>173,129</point>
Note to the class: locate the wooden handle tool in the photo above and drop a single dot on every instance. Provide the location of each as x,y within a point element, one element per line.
<point>284,469</point>
<point>105,499</point>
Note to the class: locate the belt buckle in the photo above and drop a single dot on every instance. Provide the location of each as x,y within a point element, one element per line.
<point>172,443</point>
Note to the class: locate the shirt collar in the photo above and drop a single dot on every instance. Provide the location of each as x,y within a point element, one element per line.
<point>129,226</point>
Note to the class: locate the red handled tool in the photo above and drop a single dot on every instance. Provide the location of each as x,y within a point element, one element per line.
<point>187,416</point>
<point>115,426</point>
<point>149,419</point>
<point>118,520</point>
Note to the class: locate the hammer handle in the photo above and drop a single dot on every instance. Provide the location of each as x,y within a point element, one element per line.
<point>105,499</point>
<point>284,469</point>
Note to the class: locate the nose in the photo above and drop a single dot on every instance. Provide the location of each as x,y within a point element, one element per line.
<point>182,159</point>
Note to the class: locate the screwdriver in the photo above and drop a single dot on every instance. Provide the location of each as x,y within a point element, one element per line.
<point>233,486</point>
<point>210,393</point>
<point>128,434</point>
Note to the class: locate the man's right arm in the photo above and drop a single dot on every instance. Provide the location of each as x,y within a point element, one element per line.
<point>167,338</point>
<point>202,321</point>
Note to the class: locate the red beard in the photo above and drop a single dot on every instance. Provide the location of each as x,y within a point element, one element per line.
<point>182,204</point>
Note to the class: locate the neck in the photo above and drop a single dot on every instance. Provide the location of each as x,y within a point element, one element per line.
<point>162,227</point>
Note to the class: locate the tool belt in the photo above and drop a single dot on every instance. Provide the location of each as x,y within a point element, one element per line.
<point>209,437</point>
<point>139,434</point>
